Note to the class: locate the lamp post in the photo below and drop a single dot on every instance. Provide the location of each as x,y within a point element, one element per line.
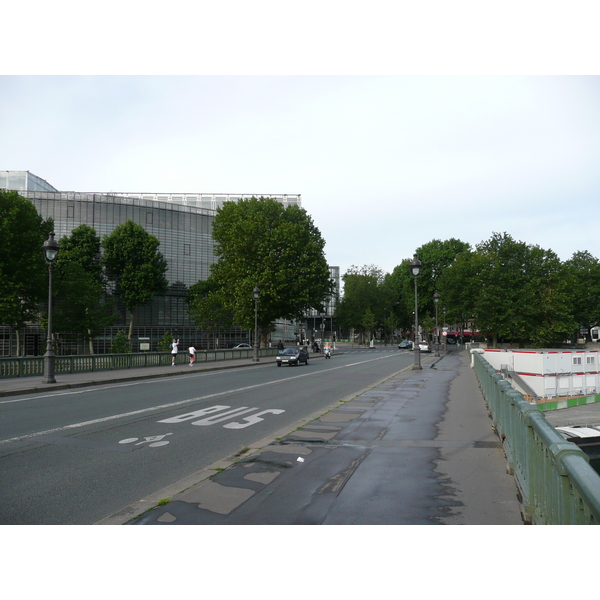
<point>436,299</point>
<point>256,294</point>
<point>444,310</point>
<point>322,330</point>
<point>50,252</point>
<point>415,267</point>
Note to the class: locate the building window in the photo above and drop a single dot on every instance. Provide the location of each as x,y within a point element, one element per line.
<point>590,360</point>
<point>187,249</point>
<point>148,218</point>
<point>70,211</point>
<point>577,360</point>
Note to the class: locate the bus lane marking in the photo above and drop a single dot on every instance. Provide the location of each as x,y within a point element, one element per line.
<point>170,405</point>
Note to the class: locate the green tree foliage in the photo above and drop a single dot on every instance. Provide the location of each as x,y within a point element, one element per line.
<point>459,288</point>
<point>369,322</point>
<point>206,307</point>
<point>164,344</point>
<point>367,299</point>
<point>135,264</point>
<point>121,344</point>
<point>436,256</point>
<point>259,242</point>
<point>80,306</point>
<point>583,273</point>
<point>23,271</point>
<point>513,290</point>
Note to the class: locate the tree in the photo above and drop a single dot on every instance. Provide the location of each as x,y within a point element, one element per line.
<point>436,257</point>
<point>551,309</point>
<point>366,299</point>
<point>135,264</point>
<point>121,344</point>
<point>259,242</point>
<point>369,322</point>
<point>583,273</point>
<point>459,288</point>
<point>80,306</point>
<point>23,271</point>
<point>164,344</point>
<point>205,306</point>
<point>519,291</point>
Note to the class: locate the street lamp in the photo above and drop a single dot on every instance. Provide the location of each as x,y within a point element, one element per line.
<point>415,267</point>
<point>436,299</point>
<point>445,310</point>
<point>322,330</point>
<point>256,294</point>
<point>50,248</point>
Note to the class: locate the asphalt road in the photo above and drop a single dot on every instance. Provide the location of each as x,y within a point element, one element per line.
<point>78,456</point>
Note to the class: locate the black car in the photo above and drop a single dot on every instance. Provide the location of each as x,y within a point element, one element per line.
<point>405,344</point>
<point>293,356</point>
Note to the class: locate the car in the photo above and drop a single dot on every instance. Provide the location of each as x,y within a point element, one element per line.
<point>242,346</point>
<point>293,356</point>
<point>424,347</point>
<point>405,344</point>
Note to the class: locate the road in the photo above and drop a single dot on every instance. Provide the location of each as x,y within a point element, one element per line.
<point>78,456</point>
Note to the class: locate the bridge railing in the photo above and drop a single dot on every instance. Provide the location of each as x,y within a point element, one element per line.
<point>26,366</point>
<point>556,482</point>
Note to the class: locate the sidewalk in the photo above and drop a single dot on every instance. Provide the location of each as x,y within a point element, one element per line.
<point>416,449</point>
<point>14,386</point>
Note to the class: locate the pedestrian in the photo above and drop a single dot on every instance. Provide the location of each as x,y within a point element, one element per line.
<point>192,352</point>
<point>174,346</point>
<point>280,346</point>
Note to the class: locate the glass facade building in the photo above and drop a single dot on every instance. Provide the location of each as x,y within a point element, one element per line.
<point>183,225</point>
<point>24,180</point>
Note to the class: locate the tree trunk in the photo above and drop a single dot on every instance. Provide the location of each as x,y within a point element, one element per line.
<point>131,326</point>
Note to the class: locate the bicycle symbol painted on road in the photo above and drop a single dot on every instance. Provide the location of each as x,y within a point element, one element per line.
<point>153,441</point>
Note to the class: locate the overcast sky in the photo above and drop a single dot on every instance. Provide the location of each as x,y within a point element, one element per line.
<point>384,163</point>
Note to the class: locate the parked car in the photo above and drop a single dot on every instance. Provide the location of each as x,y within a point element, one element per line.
<point>424,347</point>
<point>405,344</point>
<point>242,346</point>
<point>293,356</point>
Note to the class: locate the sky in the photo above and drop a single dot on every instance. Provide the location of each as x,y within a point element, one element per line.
<point>388,153</point>
<point>384,164</point>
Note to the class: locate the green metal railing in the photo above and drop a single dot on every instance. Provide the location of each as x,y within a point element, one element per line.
<point>557,484</point>
<point>26,366</point>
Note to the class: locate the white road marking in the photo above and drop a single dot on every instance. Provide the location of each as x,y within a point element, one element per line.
<point>180,402</point>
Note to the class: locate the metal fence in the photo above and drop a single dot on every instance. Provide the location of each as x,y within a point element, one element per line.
<point>557,484</point>
<point>27,366</point>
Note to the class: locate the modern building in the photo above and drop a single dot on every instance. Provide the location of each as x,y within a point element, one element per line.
<point>183,225</point>
<point>24,181</point>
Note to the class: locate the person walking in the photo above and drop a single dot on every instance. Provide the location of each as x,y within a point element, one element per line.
<point>174,346</point>
<point>192,353</point>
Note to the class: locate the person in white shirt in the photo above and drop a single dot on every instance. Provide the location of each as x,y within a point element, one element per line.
<point>192,352</point>
<point>174,351</point>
